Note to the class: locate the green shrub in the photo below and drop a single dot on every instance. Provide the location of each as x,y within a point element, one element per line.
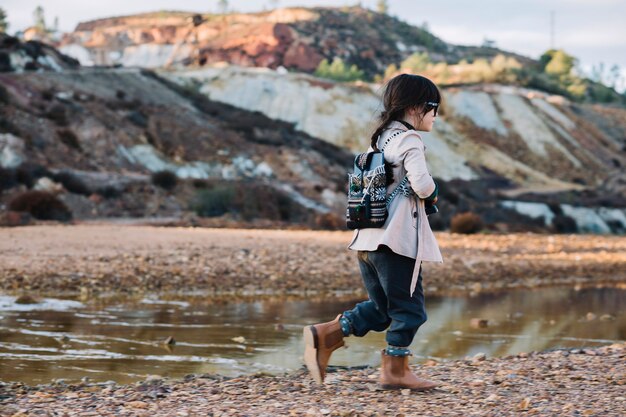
<point>247,201</point>
<point>416,63</point>
<point>338,71</point>
<point>41,205</point>
<point>165,179</point>
<point>466,223</point>
<point>214,202</point>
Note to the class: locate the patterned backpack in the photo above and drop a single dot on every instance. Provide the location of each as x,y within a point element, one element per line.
<point>367,189</point>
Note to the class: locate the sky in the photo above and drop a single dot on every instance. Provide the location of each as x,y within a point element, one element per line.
<point>591,30</point>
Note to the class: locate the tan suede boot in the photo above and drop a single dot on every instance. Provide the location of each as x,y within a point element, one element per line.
<point>396,374</point>
<point>320,340</point>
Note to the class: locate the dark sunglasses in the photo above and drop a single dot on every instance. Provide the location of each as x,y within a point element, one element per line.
<point>431,105</point>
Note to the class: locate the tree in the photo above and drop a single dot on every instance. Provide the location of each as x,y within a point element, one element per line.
<point>382,6</point>
<point>40,18</point>
<point>615,76</point>
<point>338,70</point>
<point>4,25</point>
<point>557,62</point>
<point>222,6</point>
<point>416,63</point>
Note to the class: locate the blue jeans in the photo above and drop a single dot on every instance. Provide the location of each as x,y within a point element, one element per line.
<point>387,279</point>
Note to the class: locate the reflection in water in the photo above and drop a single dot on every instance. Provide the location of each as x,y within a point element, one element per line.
<point>123,341</point>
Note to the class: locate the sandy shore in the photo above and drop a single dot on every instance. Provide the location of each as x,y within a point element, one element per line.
<point>90,259</point>
<point>588,382</point>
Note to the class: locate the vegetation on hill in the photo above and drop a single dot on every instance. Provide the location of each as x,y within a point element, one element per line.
<point>554,72</point>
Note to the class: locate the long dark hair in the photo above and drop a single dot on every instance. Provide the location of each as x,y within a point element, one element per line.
<point>402,93</point>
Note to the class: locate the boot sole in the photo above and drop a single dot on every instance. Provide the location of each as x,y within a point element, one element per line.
<point>400,387</point>
<point>310,353</point>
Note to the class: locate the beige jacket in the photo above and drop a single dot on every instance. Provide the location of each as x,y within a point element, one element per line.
<point>406,231</point>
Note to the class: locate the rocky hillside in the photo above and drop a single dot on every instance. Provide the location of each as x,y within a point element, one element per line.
<point>532,139</point>
<point>17,56</point>
<point>97,137</point>
<point>296,39</point>
<point>242,144</point>
<point>510,142</point>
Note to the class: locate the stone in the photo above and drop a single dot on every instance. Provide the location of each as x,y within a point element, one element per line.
<point>477,323</point>
<point>15,219</point>
<point>46,184</point>
<point>137,404</point>
<point>26,299</point>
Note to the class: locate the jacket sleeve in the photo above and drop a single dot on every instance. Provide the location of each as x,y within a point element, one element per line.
<point>414,160</point>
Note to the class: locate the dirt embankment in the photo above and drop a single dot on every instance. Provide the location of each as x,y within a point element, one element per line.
<point>90,259</point>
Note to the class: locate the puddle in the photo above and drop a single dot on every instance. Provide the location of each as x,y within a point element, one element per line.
<point>65,339</point>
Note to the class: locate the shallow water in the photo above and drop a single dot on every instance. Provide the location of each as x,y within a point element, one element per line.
<point>121,341</point>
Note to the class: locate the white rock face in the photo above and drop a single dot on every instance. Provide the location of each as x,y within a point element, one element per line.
<point>341,114</point>
<point>78,52</point>
<point>478,107</point>
<point>345,115</point>
<point>534,210</point>
<point>613,215</point>
<point>530,127</point>
<point>587,219</point>
<point>11,150</point>
<point>444,154</point>
<point>152,160</point>
<point>153,55</point>
<point>554,113</point>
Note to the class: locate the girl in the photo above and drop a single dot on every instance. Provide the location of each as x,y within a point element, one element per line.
<point>390,257</point>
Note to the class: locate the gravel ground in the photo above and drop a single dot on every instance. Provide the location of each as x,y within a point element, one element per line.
<point>90,259</point>
<point>588,382</point>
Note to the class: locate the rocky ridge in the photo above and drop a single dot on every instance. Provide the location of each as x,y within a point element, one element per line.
<point>294,38</point>
<point>113,128</point>
<point>18,56</point>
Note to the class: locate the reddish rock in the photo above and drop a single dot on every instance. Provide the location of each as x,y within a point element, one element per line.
<point>14,218</point>
<point>302,57</point>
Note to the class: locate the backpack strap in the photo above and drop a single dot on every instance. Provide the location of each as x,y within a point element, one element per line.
<point>402,186</point>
